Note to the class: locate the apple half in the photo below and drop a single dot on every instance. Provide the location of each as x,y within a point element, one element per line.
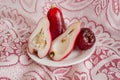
<point>40,40</point>
<point>64,44</point>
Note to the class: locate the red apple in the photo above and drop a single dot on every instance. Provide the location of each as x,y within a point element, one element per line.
<point>85,39</point>
<point>57,25</point>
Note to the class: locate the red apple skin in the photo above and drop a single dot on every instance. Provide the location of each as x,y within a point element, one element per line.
<point>85,39</point>
<point>57,24</point>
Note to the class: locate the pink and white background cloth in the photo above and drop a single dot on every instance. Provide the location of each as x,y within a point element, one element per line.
<point>19,17</point>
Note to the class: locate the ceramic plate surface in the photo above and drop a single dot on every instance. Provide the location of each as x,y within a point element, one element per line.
<point>75,57</point>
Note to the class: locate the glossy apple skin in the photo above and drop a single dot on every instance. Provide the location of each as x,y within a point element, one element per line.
<point>57,24</point>
<point>85,39</point>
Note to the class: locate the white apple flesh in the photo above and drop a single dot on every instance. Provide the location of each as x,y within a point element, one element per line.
<point>64,44</point>
<point>40,40</point>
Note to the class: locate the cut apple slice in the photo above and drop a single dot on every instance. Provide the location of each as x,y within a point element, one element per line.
<point>40,39</point>
<point>64,44</point>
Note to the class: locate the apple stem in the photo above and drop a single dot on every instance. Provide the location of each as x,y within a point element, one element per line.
<point>52,6</point>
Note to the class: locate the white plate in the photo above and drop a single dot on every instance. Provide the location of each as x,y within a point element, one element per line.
<point>75,57</point>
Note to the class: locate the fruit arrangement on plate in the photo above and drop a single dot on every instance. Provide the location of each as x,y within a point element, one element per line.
<point>51,37</point>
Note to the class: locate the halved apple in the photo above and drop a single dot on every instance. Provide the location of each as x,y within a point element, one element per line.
<point>40,40</point>
<point>64,44</point>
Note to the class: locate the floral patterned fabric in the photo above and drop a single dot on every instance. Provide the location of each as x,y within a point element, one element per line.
<point>18,18</point>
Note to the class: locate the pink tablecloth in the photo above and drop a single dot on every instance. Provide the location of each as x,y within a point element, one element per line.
<point>19,17</point>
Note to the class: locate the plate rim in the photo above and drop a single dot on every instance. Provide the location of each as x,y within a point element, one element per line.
<point>56,63</point>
